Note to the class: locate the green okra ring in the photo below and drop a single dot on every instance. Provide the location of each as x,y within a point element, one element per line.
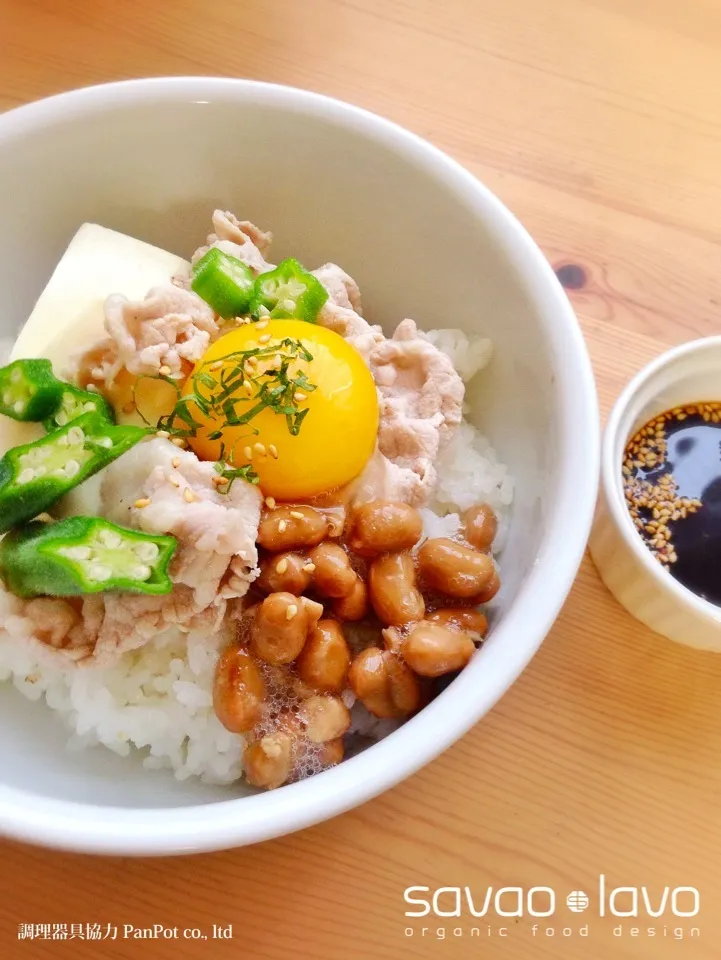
<point>84,555</point>
<point>36,475</point>
<point>75,402</point>
<point>288,291</point>
<point>224,282</point>
<point>29,390</point>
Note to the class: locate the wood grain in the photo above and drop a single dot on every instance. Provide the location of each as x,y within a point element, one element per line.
<point>597,122</point>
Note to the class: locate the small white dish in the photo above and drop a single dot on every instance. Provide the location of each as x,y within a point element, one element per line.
<point>685,375</point>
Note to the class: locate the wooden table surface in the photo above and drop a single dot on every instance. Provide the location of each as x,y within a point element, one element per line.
<point>598,123</point>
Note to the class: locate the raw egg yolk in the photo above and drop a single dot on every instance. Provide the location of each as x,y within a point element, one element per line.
<point>335,438</point>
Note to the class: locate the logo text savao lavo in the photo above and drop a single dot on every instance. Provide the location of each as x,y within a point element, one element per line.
<point>541,901</point>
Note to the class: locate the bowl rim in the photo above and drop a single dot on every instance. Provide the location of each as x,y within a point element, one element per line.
<point>85,827</point>
<point>611,477</point>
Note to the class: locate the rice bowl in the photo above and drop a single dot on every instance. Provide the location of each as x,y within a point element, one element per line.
<point>498,661</point>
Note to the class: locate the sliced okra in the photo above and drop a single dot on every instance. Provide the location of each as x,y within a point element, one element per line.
<point>83,555</point>
<point>224,282</point>
<point>36,475</point>
<point>29,390</point>
<point>288,291</point>
<point>73,403</point>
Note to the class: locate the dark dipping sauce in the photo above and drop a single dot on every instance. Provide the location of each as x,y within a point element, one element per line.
<point>672,484</point>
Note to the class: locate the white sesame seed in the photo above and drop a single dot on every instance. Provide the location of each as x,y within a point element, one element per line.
<point>174,481</point>
<point>264,339</point>
<point>163,434</point>
<point>165,370</point>
<point>273,451</point>
<point>299,397</point>
<point>282,526</point>
<point>142,502</point>
<point>188,495</point>
<point>309,568</point>
<point>178,441</point>
<point>248,453</point>
<point>282,565</point>
<point>270,503</point>
<point>176,462</point>
<point>259,449</point>
<point>262,324</point>
<point>297,514</point>
<point>291,611</point>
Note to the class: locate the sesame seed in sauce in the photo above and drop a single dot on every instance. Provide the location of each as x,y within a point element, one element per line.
<point>653,500</point>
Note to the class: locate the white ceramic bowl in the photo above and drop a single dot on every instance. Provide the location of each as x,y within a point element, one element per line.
<point>684,375</point>
<point>424,239</point>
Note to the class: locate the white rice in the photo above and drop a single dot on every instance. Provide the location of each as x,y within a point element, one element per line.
<point>158,699</point>
<point>469,355</point>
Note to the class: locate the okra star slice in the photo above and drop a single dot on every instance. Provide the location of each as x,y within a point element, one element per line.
<point>34,476</point>
<point>83,555</point>
<point>29,390</point>
<point>288,291</point>
<point>73,403</point>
